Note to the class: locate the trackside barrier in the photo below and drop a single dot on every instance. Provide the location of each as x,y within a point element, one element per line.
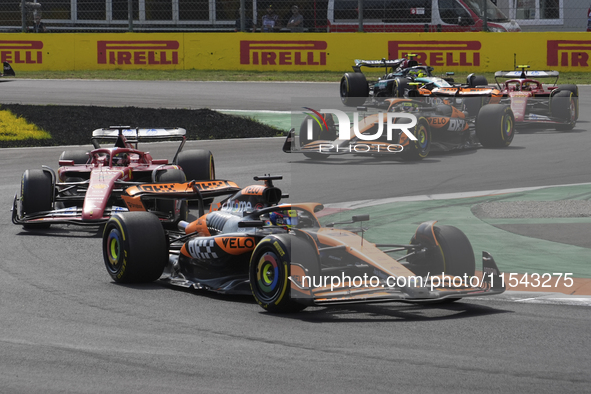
<point>292,52</point>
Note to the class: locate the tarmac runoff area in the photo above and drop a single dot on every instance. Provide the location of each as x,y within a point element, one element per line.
<point>545,230</point>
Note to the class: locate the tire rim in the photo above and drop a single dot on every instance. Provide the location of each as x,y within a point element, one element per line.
<point>268,275</point>
<point>422,138</point>
<point>114,249</point>
<point>344,89</point>
<point>507,128</point>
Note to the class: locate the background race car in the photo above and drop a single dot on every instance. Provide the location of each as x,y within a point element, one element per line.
<point>89,186</point>
<point>440,126</point>
<point>280,253</point>
<point>7,70</point>
<point>534,103</point>
<point>402,78</point>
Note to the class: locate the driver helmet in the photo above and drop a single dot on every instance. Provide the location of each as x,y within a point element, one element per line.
<point>121,159</point>
<point>417,73</point>
<point>526,86</point>
<point>286,219</point>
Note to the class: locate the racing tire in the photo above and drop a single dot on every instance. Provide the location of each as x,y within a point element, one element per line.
<point>575,90</point>
<point>198,165</point>
<point>172,176</point>
<point>354,89</point>
<point>36,195</point>
<point>419,149</point>
<point>134,247</point>
<point>455,255</point>
<point>564,107</point>
<point>476,80</point>
<point>495,126</point>
<point>400,87</point>
<point>269,271</point>
<point>78,156</point>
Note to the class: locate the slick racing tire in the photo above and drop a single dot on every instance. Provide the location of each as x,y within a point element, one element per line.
<point>400,87</point>
<point>78,156</point>
<point>575,90</point>
<point>563,106</point>
<point>269,271</point>
<point>474,80</point>
<point>36,195</point>
<point>419,149</point>
<point>454,256</point>
<point>495,126</point>
<point>134,247</point>
<point>168,206</point>
<point>198,165</point>
<point>354,89</point>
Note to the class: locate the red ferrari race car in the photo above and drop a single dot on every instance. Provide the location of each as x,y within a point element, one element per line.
<point>440,126</point>
<point>534,103</point>
<point>89,186</point>
<point>279,253</point>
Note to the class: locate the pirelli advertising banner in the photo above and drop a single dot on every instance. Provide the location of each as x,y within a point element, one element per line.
<point>293,51</point>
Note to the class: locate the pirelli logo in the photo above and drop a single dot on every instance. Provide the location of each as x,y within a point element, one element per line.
<point>438,53</point>
<point>138,52</point>
<point>27,52</point>
<point>283,53</point>
<point>568,53</point>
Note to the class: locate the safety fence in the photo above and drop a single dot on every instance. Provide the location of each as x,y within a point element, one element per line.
<point>293,15</point>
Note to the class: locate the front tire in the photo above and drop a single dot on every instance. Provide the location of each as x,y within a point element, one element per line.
<point>36,194</point>
<point>269,271</point>
<point>134,247</point>
<point>575,91</point>
<point>563,106</point>
<point>495,126</point>
<point>419,149</point>
<point>354,89</point>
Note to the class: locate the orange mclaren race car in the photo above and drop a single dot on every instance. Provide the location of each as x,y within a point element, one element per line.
<point>282,255</point>
<point>440,126</point>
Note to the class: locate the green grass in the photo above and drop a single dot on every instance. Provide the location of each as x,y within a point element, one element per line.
<point>257,76</point>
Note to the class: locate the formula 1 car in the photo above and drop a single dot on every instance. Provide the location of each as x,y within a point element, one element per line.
<point>440,126</point>
<point>403,77</point>
<point>7,70</point>
<point>532,103</point>
<point>282,255</point>
<point>89,186</point>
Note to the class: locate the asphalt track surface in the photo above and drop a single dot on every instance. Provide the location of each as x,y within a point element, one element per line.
<point>66,327</point>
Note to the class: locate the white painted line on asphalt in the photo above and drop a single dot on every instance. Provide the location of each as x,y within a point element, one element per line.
<point>444,196</point>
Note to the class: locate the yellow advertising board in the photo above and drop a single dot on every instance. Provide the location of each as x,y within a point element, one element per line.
<point>472,52</point>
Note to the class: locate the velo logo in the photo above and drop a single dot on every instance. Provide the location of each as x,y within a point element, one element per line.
<point>345,124</point>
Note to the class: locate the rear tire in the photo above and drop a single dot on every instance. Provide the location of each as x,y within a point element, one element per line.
<point>198,165</point>
<point>172,176</point>
<point>78,156</point>
<point>36,194</point>
<point>354,89</point>
<point>134,247</point>
<point>495,126</point>
<point>269,271</point>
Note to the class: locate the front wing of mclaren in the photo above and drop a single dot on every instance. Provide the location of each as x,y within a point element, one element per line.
<point>323,291</point>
